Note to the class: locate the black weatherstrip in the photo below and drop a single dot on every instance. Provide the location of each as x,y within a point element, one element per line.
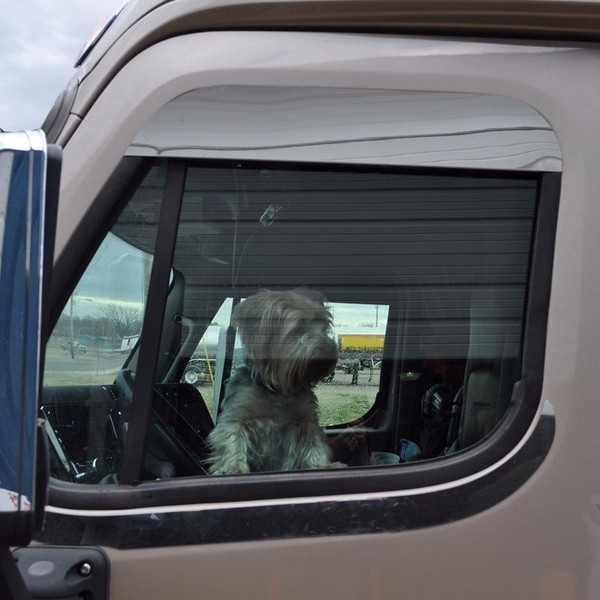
<point>139,414</point>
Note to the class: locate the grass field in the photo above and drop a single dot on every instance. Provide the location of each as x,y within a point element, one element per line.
<point>339,401</point>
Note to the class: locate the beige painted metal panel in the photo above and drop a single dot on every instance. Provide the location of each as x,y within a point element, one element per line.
<point>248,58</point>
<point>147,22</point>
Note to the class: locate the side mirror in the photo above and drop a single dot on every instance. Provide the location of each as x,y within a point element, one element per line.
<point>29,177</point>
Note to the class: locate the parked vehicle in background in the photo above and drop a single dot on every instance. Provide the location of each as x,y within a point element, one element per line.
<point>77,347</point>
<point>432,172</point>
<point>128,342</point>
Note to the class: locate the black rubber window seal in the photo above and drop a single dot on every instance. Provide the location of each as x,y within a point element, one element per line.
<point>139,413</point>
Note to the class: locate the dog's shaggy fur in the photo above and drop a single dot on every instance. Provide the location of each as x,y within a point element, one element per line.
<point>269,419</point>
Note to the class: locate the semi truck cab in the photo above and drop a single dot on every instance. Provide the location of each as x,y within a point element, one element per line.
<point>431,173</point>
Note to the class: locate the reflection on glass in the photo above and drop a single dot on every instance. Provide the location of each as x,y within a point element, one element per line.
<point>102,320</point>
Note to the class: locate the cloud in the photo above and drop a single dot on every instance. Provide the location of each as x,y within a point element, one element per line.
<point>39,43</point>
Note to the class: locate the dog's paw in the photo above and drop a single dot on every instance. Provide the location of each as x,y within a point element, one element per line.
<point>229,467</point>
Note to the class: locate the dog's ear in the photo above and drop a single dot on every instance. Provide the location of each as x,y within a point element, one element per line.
<point>257,317</point>
<point>247,314</point>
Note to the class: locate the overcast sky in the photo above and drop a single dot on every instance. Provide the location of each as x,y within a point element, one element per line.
<point>39,42</point>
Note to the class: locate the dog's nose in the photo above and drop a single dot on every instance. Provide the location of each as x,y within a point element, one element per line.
<point>327,350</point>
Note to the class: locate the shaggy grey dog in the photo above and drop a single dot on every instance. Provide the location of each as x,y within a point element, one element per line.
<point>269,419</point>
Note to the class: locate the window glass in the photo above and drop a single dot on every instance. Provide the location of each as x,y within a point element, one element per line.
<point>346,394</point>
<point>424,275</point>
<point>408,286</point>
<point>102,320</point>
<point>93,338</point>
<point>202,368</point>
<point>350,390</point>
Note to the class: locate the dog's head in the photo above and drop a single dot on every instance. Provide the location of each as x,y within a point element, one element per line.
<point>286,338</point>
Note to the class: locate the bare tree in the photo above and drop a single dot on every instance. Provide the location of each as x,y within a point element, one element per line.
<point>126,320</point>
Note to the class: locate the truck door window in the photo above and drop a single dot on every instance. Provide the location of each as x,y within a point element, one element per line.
<point>424,272</point>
